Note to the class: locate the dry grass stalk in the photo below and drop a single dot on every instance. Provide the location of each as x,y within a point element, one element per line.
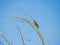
<point>35,22</point>
<point>5,38</point>
<point>24,12</point>
<point>20,34</point>
<point>37,30</point>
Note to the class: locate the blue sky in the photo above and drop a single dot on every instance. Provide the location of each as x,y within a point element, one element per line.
<point>47,14</point>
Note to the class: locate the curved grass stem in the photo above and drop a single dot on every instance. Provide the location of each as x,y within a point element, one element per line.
<point>37,30</point>
<point>21,35</point>
<point>5,38</point>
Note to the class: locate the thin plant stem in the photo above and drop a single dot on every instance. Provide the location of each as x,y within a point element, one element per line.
<point>21,35</point>
<point>23,12</point>
<point>37,30</point>
<point>5,38</point>
<point>35,22</point>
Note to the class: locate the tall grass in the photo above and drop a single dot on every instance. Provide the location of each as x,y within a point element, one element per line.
<point>5,38</point>
<point>20,34</point>
<point>34,26</point>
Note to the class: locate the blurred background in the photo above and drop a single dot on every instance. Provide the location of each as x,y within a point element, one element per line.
<point>46,12</point>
